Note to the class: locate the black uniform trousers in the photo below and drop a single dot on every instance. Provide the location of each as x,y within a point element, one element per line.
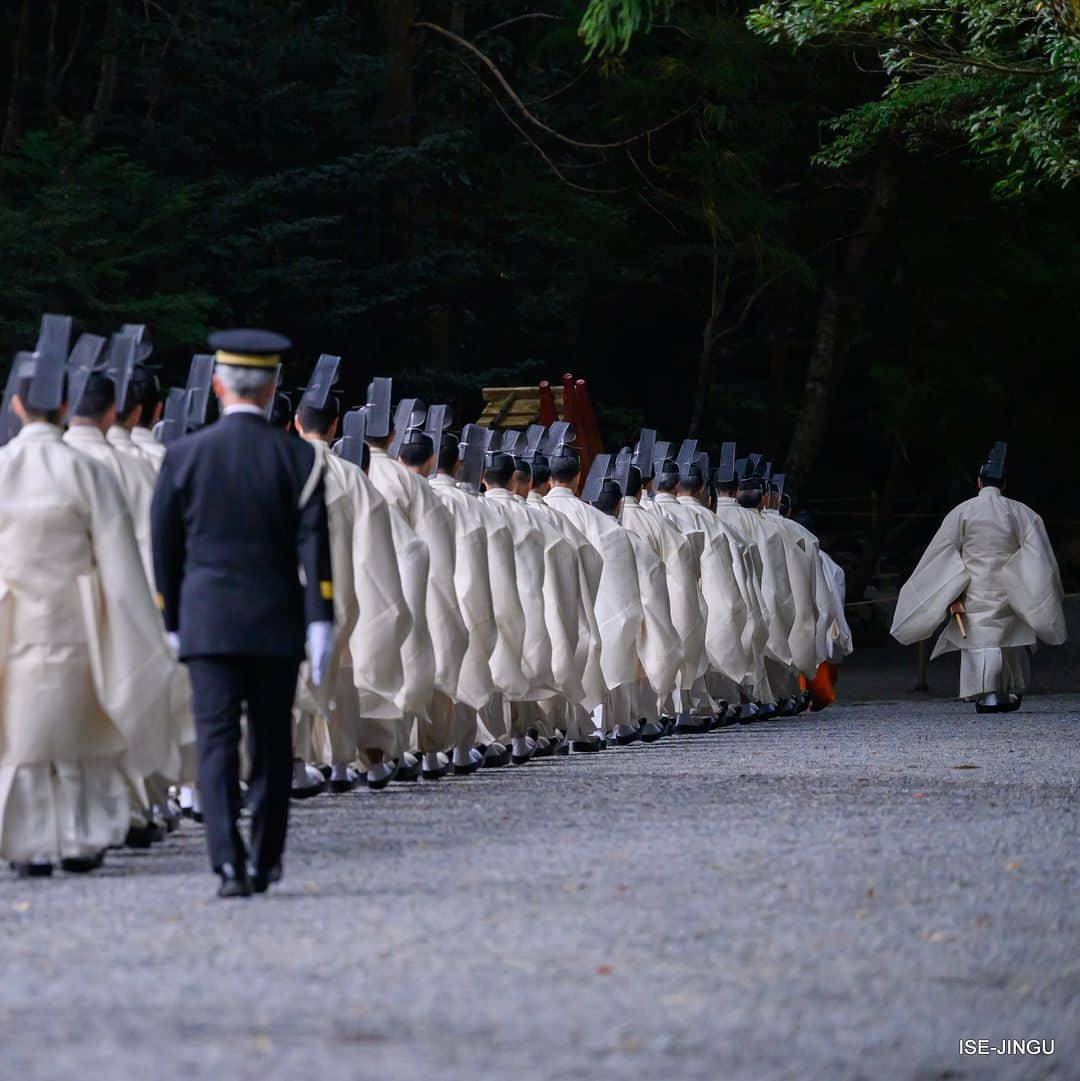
<point>221,684</point>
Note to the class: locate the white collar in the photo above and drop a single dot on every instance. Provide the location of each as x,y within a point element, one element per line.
<point>86,432</point>
<point>726,501</point>
<point>664,497</point>
<point>245,407</point>
<point>560,493</point>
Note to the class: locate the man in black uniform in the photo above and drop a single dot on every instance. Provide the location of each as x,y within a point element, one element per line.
<point>238,517</point>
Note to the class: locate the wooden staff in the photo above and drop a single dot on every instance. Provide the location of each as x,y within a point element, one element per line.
<point>957,609</point>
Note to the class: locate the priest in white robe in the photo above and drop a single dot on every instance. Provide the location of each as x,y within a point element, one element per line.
<point>419,507</point>
<point>618,606</point>
<point>991,573</point>
<point>686,602</point>
<point>84,671</point>
<point>564,714</point>
<point>361,689</point>
<point>722,574</point>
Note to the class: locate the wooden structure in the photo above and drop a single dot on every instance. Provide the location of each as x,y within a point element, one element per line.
<point>518,407</point>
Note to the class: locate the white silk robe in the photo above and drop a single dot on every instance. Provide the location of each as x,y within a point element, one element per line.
<point>806,573</point>
<point>993,553</point>
<point>687,605</point>
<point>529,545</point>
<point>839,638</point>
<point>472,583</point>
<point>725,606</point>
<point>85,677</point>
<point>508,675</point>
<point>659,649</point>
<point>145,443</point>
<point>618,598</point>
<point>372,620</point>
<point>775,583</point>
<point>137,479</point>
<point>589,567</point>
<point>414,500</point>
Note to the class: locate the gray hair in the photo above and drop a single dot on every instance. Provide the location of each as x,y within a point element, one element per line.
<point>245,382</point>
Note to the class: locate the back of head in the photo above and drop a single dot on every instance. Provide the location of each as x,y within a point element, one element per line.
<point>318,421</point>
<point>751,492</point>
<point>416,448</point>
<point>144,390</point>
<point>692,480</point>
<point>499,470</point>
<point>541,470</point>
<point>609,498</point>
<point>634,482</point>
<point>667,476</point>
<point>449,452</point>
<point>97,398</point>
<point>565,465</point>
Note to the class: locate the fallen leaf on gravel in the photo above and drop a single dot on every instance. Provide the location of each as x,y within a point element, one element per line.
<point>965,765</point>
<point>21,906</point>
<point>261,1043</point>
<point>870,892</point>
<point>629,1043</point>
<point>309,887</point>
<point>1012,865</point>
<point>604,970</point>
<point>935,936</point>
<point>919,795</point>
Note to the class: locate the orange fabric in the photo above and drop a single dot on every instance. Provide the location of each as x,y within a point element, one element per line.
<point>821,686</point>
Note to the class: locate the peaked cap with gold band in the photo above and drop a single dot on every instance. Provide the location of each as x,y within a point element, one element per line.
<point>248,348</point>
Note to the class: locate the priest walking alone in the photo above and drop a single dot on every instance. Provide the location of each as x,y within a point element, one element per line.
<point>242,566</point>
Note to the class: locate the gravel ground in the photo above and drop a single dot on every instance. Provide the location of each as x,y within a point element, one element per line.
<point>845,896</point>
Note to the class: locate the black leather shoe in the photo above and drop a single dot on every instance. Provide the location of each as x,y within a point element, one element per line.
<point>686,724</point>
<point>767,711</point>
<point>1011,703</point>
<point>408,770</point>
<point>234,882</point>
<point>82,865</point>
<point>805,698</point>
<point>140,837</point>
<point>586,746</point>
<point>33,869</point>
<point>261,881</point>
<point>494,759</point>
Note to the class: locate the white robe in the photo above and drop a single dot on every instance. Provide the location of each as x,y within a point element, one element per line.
<point>429,519</point>
<point>529,545</point>
<point>589,567</point>
<point>721,565</point>
<point>994,554</point>
<point>85,677</point>
<point>472,583</point>
<point>659,649</point>
<point>618,597</point>
<point>775,583</point>
<point>137,479</point>
<point>756,631</point>
<point>687,605</point>
<point>145,443</point>
<point>372,620</point>
<point>838,638</point>
<point>806,573</point>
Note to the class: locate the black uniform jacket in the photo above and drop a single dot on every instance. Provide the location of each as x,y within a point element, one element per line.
<point>241,545</point>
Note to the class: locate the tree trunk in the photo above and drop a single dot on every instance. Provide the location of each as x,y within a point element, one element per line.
<point>107,72</point>
<point>13,122</point>
<point>717,301</point>
<point>840,287</point>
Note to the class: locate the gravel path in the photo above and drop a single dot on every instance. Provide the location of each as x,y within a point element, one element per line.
<point>836,897</point>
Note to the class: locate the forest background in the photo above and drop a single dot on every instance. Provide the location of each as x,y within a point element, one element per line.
<point>840,234</point>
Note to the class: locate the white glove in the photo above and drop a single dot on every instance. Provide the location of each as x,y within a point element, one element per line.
<point>320,635</point>
<point>174,642</point>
